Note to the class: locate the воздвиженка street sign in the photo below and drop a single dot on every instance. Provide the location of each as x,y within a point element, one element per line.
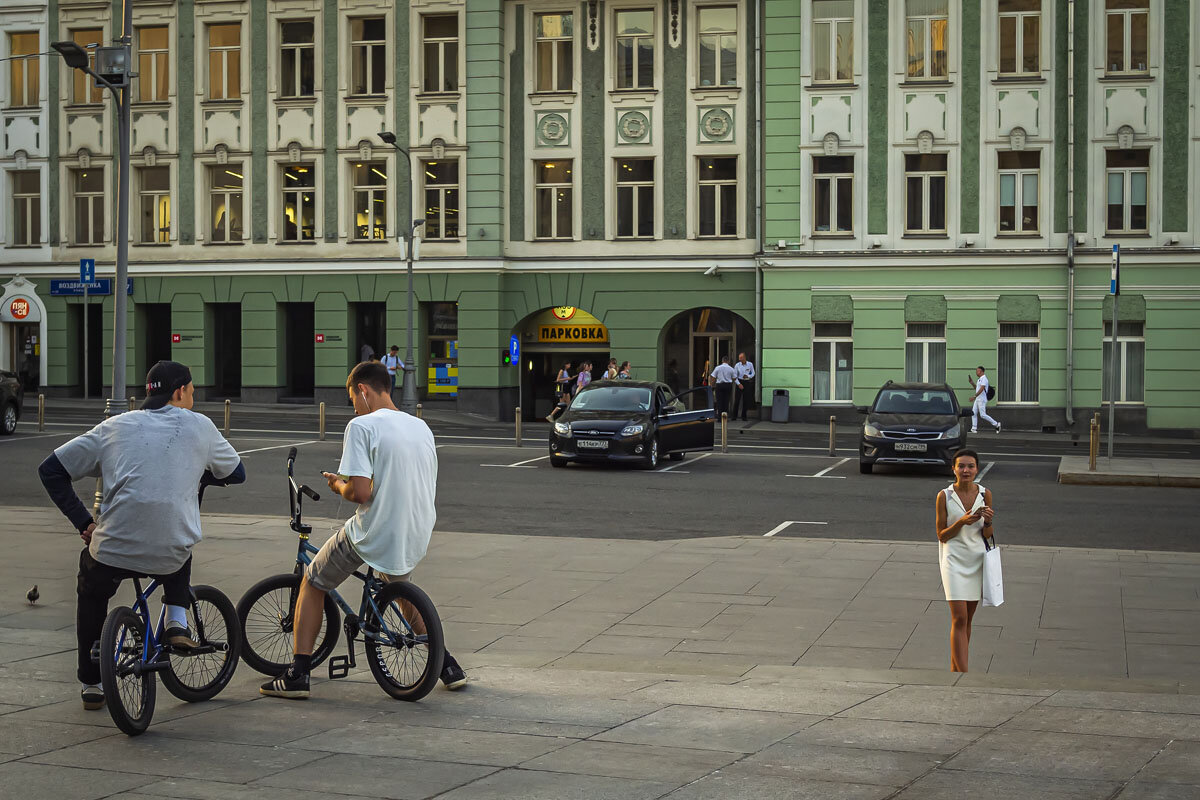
<point>100,286</point>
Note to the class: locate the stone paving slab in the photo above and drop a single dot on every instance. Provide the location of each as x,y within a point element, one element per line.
<point>1130,472</point>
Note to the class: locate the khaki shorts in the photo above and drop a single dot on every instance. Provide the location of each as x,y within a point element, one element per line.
<point>336,561</point>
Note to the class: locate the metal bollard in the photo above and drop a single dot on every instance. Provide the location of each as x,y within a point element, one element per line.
<point>131,399</point>
<point>1093,442</point>
<point>724,431</point>
<point>518,426</point>
<point>321,421</point>
<point>41,412</point>
<point>833,436</point>
<point>419,410</point>
<point>228,415</point>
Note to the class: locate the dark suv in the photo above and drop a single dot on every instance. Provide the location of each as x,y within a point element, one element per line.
<point>912,423</point>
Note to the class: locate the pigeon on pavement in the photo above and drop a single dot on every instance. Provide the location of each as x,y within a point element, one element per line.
<point>32,595</point>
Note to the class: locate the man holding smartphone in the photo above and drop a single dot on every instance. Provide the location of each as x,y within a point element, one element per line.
<point>979,404</point>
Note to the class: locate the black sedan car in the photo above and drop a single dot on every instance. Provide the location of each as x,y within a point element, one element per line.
<point>12,393</point>
<point>912,423</point>
<point>632,421</point>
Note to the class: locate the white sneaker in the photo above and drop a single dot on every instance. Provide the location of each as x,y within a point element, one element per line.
<point>974,431</point>
<point>997,427</point>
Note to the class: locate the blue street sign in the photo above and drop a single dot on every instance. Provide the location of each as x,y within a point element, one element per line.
<point>87,270</point>
<point>1114,283</point>
<point>100,286</point>
<point>514,348</point>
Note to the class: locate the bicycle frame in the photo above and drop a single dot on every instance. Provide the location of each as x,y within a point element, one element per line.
<point>153,648</point>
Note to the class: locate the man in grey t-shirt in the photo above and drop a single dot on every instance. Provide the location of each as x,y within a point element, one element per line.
<point>153,462</point>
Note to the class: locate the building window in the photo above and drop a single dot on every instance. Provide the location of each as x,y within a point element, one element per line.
<point>833,41</point>
<point>833,194</point>
<point>928,39</point>
<point>555,214</point>
<point>441,53</point>
<point>1020,37</point>
<point>635,198</point>
<point>1128,172</point>
<point>1131,362</point>
<point>368,56</point>
<point>225,62</point>
<point>299,203</point>
<point>925,352</point>
<point>635,49</point>
<point>369,202</point>
<point>23,70</point>
<point>154,65</point>
<point>1017,363</point>
<point>441,200</point>
<point>925,193</point>
<point>154,192</point>
<point>88,187</point>
<point>833,363</point>
<point>297,59</point>
<point>716,197</point>
<point>1019,191</point>
<point>27,207</point>
<point>554,52</point>
<point>84,89</point>
<point>717,45</point>
<point>1128,27</point>
<point>225,195</point>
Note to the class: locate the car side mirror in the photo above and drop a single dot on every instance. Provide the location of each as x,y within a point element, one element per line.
<point>863,409</point>
<point>664,411</point>
<point>964,412</point>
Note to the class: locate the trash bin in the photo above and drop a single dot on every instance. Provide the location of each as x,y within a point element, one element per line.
<point>779,405</point>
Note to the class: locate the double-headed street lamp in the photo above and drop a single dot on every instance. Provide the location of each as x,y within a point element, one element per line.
<point>408,395</point>
<point>113,71</point>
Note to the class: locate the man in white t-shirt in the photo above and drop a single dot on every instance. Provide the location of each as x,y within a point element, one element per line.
<point>979,404</point>
<point>390,466</point>
<point>723,377</point>
<point>393,363</point>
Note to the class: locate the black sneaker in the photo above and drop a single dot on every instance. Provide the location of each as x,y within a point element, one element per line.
<point>453,676</point>
<point>93,698</point>
<point>179,636</point>
<point>292,687</point>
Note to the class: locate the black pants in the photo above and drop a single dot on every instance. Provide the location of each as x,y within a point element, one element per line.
<point>97,585</point>
<point>742,398</point>
<point>723,392</point>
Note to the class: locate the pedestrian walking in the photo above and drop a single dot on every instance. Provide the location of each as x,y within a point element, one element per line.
<point>723,377</point>
<point>610,372</point>
<point>366,353</point>
<point>562,390</point>
<point>624,373</point>
<point>393,363</point>
<point>743,395</point>
<point>584,377</point>
<point>564,400</point>
<point>961,549</point>
<point>983,393</point>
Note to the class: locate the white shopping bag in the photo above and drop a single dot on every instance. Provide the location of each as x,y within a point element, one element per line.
<point>993,577</point>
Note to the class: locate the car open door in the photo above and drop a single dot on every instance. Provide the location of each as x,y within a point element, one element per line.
<point>695,417</point>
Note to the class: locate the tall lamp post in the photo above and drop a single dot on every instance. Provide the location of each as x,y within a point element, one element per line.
<point>113,71</point>
<point>408,395</point>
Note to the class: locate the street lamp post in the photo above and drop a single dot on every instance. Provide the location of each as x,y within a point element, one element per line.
<point>113,71</point>
<point>408,394</point>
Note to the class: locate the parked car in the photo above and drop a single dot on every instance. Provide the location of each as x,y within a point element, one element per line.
<point>632,421</point>
<point>912,423</point>
<point>12,395</point>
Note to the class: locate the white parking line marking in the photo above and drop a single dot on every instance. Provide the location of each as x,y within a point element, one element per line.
<point>681,463</point>
<point>783,525</point>
<point>276,447</point>
<point>990,464</point>
<point>520,464</point>
<point>822,473</point>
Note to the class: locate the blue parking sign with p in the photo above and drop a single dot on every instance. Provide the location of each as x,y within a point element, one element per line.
<point>514,348</point>
<point>87,270</point>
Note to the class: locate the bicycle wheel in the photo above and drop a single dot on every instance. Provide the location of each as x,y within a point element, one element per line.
<point>405,649</point>
<point>266,612</point>
<point>214,622</point>
<point>129,695</point>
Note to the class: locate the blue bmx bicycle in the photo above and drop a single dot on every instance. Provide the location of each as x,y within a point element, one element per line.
<point>401,631</point>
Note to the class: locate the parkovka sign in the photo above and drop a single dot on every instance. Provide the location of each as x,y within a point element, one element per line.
<point>572,333</point>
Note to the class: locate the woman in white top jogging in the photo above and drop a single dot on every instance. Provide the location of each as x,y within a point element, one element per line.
<point>961,549</point>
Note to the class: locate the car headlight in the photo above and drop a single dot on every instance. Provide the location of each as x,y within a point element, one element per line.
<point>562,428</point>
<point>953,433</point>
<point>632,430</point>
<point>870,430</point>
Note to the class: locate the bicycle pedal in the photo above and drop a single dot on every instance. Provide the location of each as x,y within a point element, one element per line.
<point>339,667</point>
<point>95,653</point>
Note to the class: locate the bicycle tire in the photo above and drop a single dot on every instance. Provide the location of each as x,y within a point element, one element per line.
<point>267,630</point>
<point>129,697</point>
<point>393,666</point>
<point>186,677</point>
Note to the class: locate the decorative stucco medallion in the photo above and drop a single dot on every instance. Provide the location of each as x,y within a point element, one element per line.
<point>553,129</point>
<point>716,125</point>
<point>633,127</point>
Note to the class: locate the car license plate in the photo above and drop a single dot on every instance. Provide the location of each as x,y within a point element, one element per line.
<point>912,447</point>
<point>599,444</point>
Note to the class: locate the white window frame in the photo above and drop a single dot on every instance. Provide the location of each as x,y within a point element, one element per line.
<point>440,42</point>
<point>297,51</point>
<point>154,196</point>
<point>228,92</point>
<point>1127,174</point>
<point>93,95</point>
<point>1018,176</point>
<point>556,66</point>
<point>1123,342</point>
<point>639,41</point>
<point>925,341</point>
<point>835,179</point>
<point>925,177</point>
<point>1127,15</point>
<point>718,205</point>
<point>569,187</point>
<point>719,80</point>
<point>33,210</point>
<point>30,85</point>
<point>831,341</point>
<point>1021,346</point>
<point>1018,18</point>
<point>831,56</point>
<point>295,194</point>
<point>442,189</point>
<point>227,196</point>
<point>92,200</point>
<point>926,66</point>
<point>159,59</point>
<point>635,192</point>
<point>375,193</point>
<point>367,49</point>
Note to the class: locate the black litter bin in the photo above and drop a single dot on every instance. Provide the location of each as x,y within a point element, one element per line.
<point>779,405</point>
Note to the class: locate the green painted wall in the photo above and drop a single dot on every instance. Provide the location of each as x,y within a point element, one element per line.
<point>52,125</point>
<point>516,129</point>
<point>751,130</point>
<point>260,197</point>
<point>485,128</point>
<point>970,118</point>
<point>591,132</point>
<point>329,115</point>
<point>1060,116</point>
<point>877,109</point>
<point>781,121</point>
<point>1177,104</point>
<point>674,105</point>
<point>184,221</point>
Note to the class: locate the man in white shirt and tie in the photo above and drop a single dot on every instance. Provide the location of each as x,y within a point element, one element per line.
<point>723,378</point>
<point>743,392</point>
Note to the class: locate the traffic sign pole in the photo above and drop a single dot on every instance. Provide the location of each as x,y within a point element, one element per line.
<point>1114,288</point>
<point>87,274</point>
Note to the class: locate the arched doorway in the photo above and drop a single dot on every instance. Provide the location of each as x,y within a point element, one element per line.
<point>549,338</point>
<point>694,341</point>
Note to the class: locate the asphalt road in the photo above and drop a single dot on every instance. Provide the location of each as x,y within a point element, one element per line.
<point>488,485</point>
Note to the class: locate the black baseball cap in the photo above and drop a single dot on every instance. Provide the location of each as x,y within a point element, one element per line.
<point>161,382</point>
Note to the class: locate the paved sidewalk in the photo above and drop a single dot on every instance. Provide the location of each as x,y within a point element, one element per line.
<point>1130,471</point>
<point>712,668</point>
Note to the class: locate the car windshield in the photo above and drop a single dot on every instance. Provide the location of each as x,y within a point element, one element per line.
<point>915,401</point>
<point>612,398</point>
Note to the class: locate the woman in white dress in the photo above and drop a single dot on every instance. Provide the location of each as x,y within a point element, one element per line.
<point>961,549</point>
